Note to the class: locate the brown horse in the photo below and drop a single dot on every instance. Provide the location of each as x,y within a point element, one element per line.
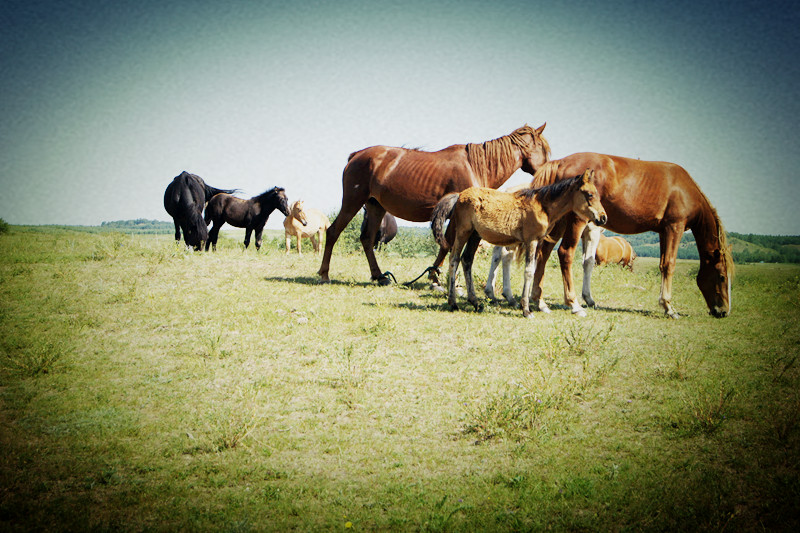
<point>612,250</point>
<point>250,214</point>
<point>408,183</point>
<point>642,196</point>
<point>519,219</point>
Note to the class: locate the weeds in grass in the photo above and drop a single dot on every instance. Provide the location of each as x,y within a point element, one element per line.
<point>439,519</point>
<point>40,357</point>
<point>566,368</point>
<point>351,369</point>
<point>709,408</point>
<point>233,421</point>
<point>212,347</point>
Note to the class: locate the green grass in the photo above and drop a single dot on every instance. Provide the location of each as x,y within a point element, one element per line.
<point>146,387</point>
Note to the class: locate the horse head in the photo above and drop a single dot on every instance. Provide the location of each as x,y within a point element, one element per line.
<point>536,152</point>
<point>298,213</point>
<point>281,201</point>
<point>586,201</point>
<point>714,281</point>
<point>195,233</point>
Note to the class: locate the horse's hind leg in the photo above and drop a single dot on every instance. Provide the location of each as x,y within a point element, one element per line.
<point>177,230</point>
<point>467,259</point>
<point>247,233</point>
<point>589,241</point>
<point>374,215</point>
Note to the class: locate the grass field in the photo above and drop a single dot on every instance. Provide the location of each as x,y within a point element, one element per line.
<point>144,387</point>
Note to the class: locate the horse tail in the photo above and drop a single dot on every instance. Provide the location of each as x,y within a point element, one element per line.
<point>443,211</point>
<point>210,191</point>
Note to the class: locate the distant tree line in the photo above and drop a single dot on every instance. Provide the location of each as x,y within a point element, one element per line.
<point>747,248</point>
<point>140,225</point>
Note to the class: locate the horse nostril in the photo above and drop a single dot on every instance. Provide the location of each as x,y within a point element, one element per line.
<point>603,219</point>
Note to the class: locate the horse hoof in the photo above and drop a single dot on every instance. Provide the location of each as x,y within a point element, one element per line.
<point>579,312</point>
<point>453,307</point>
<point>673,315</point>
<point>384,281</point>
<point>436,287</point>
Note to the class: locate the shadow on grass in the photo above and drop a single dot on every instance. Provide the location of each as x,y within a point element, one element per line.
<point>314,280</point>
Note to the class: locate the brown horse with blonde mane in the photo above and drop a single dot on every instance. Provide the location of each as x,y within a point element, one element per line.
<point>408,183</point>
<point>642,196</point>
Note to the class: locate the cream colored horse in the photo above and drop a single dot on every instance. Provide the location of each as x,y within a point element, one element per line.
<point>305,223</point>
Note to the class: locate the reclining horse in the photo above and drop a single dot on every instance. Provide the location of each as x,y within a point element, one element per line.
<point>519,219</point>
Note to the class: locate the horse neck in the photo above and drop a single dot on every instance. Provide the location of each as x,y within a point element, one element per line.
<point>557,208</point>
<point>709,235</point>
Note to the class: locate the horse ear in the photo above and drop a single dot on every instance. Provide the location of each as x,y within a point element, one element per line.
<point>540,129</point>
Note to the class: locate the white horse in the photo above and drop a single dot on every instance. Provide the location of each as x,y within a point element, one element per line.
<point>305,223</point>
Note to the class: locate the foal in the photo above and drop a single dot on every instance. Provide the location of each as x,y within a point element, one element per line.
<point>521,219</point>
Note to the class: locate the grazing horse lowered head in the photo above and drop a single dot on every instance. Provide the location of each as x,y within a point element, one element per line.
<point>409,183</point>
<point>184,200</point>
<point>386,232</point>
<point>305,222</point>
<point>642,196</point>
<point>250,214</point>
<point>519,219</point>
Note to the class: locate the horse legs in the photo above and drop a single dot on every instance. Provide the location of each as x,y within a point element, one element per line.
<point>566,252</point>
<point>348,210</point>
<point>467,259</point>
<point>288,237</point>
<point>497,256</point>
<point>316,241</point>
<point>669,240</point>
<point>374,215</point>
<point>177,229</point>
<point>212,236</point>
<point>590,239</point>
<point>259,231</point>
<point>530,270</point>
<point>247,233</point>
<point>543,252</point>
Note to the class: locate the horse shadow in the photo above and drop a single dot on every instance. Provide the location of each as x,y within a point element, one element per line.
<point>315,281</point>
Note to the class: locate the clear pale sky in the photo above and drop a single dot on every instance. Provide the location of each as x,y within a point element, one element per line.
<point>103,103</point>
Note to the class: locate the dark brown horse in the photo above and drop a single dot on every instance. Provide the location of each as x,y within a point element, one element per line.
<point>250,214</point>
<point>386,231</point>
<point>409,183</point>
<point>184,200</point>
<point>641,196</point>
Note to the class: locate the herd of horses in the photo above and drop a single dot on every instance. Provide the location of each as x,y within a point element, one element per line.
<point>568,200</point>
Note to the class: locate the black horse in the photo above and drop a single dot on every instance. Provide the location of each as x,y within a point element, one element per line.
<point>184,200</point>
<point>251,214</point>
<point>386,231</point>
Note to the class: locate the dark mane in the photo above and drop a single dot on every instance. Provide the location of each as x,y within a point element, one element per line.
<point>268,193</point>
<point>550,192</point>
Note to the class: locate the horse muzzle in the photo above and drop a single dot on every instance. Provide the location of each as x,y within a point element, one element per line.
<point>718,312</point>
<point>601,220</point>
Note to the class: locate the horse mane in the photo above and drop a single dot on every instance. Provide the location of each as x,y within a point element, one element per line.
<point>722,238</point>
<point>490,157</point>
<point>546,174</point>
<point>549,192</point>
<point>269,192</point>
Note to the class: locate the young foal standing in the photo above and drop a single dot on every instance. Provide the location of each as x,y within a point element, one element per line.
<point>250,214</point>
<point>521,219</point>
<point>305,223</point>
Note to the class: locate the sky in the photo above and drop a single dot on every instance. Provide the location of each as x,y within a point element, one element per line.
<point>102,103</point>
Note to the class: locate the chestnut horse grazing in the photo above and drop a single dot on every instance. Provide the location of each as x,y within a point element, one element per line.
<point>306,223</point>
<point>519,219</point>
<point>250,214</point>
<point>642,196</point>
<point>408,183</point>
<point>611,250</point>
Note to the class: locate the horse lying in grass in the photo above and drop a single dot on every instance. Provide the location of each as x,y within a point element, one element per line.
<point>611,250</point>
<point>520,219</point>
<point>250,214</point>
<point>306,223</point>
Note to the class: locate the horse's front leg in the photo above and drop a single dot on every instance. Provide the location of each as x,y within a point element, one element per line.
<point>669,241</point>
<point>566,252</point>
<point>530,271</point>
<point>259,231</point>
<point>467,260</point>
<point>589,241</point>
